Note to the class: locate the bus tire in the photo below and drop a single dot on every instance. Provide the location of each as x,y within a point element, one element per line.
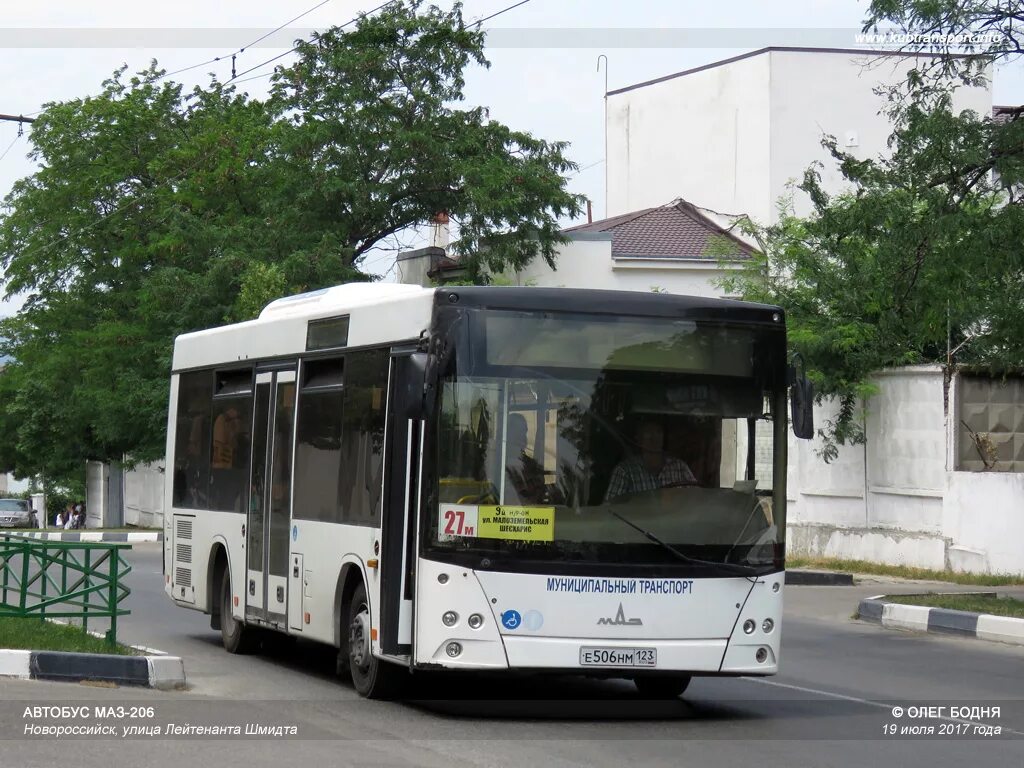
<point>371,677</point>
<point>662,687</point>
<point>237,637</point>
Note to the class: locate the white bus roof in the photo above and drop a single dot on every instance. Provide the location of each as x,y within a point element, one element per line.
<point>378,313</point>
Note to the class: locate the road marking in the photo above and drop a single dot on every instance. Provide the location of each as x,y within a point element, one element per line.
<point>868,702</point>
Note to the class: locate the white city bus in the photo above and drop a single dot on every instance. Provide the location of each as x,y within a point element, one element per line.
<point>475,478</point>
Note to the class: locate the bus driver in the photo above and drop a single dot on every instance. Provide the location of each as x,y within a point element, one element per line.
<point>651,468</point>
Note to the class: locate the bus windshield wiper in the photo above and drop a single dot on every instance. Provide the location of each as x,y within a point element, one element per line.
<point>734,567</point>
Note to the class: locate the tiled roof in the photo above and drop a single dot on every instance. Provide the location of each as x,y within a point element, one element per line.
<point>1001,114</point>
<point>679,230</point>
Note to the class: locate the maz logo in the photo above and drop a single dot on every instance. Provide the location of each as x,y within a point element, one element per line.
<point>620,620</point>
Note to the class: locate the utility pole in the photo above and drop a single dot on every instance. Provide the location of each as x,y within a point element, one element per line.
<point>19,119</point>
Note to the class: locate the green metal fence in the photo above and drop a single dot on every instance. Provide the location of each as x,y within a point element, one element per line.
<point>63,579</point>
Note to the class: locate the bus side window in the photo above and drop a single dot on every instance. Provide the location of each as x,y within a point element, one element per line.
<point>362,436</point>
<point>192,440</point>
<point>318,443</point>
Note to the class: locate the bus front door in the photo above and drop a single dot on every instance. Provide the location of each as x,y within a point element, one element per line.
<point>269,517</point>
<point>402,481</point>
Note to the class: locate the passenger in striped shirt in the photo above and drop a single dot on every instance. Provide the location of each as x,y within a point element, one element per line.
<point>651,469</point>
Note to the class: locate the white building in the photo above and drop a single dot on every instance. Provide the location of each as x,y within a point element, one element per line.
<point>730,136</point>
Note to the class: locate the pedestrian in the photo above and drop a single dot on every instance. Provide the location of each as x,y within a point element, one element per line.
<point>80,516</point>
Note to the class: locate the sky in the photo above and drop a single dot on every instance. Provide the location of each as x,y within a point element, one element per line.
<point>544,75</point>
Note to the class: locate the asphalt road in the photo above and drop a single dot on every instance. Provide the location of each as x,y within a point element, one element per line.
<point>830,706</point>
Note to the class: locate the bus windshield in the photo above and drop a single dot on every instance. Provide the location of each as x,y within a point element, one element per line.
<point>629,441</point>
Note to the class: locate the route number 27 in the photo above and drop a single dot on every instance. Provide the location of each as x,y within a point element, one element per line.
<point>455,523</point>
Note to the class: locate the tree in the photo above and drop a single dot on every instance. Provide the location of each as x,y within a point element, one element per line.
<point>375,104</point>
<point>155,212</point>
<point>919,260</point>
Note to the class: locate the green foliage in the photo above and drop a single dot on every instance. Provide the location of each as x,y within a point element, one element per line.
<point>967,36</point>
<point>261,283</point>
<point>156,212</point>
<point>919,261</point>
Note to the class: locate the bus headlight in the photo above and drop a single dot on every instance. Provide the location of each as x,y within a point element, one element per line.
<point>475,621</point>
<point>748,626</point>
<point>453,649</point>
<point>761,655</point>
<point>767,626</point>
<point>450,618</point>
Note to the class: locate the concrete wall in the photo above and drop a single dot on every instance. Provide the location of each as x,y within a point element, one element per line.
<point>586,262</point>
<point>731,137</point>
<point>97,494</point>
<point>897,499</point>
<point>144,496</point>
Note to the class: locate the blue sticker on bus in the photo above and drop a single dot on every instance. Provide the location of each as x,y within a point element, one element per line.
<point>295,533</point>
<point>511,619</point>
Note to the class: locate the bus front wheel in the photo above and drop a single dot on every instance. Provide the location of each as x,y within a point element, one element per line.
<point>670,687</point>
<point>371,677</point>
<point>236,636</point>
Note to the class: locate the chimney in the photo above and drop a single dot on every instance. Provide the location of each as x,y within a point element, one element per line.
<point>439,231</point>
<point>590,212</point>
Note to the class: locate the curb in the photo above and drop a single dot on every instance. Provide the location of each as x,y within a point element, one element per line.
<point>983,626</point>
<point>819,579</point>
<point>131,537</point>
<point>162,672</point>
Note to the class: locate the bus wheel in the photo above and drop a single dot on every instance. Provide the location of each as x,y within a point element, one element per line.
<point>371,677</point>
<point>668,687</point>
<point>236,636</point>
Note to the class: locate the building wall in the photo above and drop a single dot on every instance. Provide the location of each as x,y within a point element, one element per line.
<point>702,137</point>
<point>732,137</point>
<point>817,94</point>
<point>588,263</point>
<point>896,499</point>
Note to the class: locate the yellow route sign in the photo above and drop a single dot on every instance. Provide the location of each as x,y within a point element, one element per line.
<point>516,523</point>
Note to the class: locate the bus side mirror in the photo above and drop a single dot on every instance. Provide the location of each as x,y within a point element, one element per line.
<point>801,398</point>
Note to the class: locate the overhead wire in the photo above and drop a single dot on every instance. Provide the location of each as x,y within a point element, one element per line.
<point>237,79</point>
<point>353,20</point>
<point>478,22</point>
<point>47,246</point>
<point>10,146</point>
<point>236,52</point>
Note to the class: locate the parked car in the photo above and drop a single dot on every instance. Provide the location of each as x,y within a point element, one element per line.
<point>16,513</point>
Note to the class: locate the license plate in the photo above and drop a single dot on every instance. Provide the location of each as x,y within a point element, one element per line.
<point>618,657</point>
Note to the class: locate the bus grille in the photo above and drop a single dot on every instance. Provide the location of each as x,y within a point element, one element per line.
<point>183,577</point>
